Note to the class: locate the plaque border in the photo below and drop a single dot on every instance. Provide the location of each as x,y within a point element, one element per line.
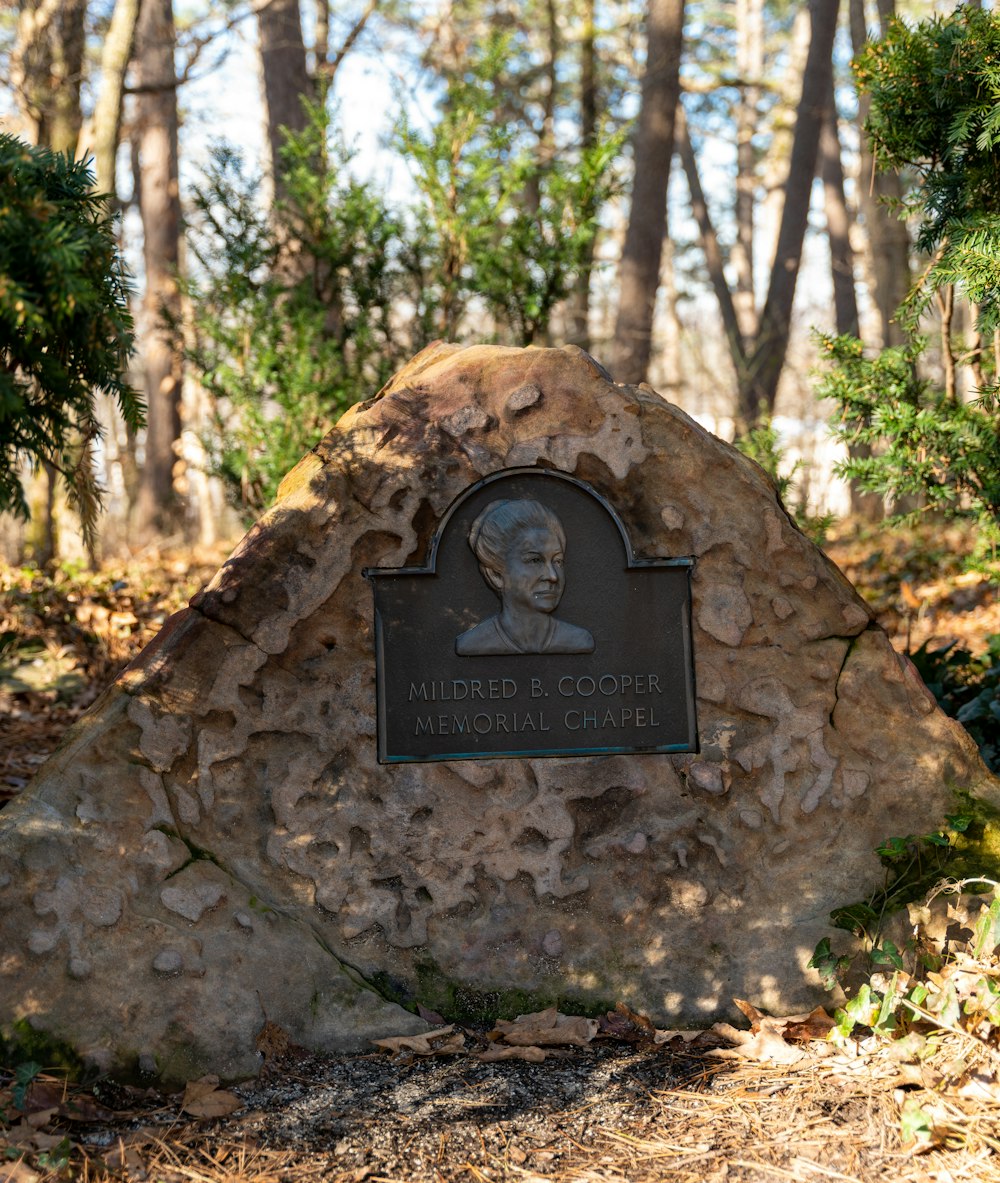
<point>633,562</point>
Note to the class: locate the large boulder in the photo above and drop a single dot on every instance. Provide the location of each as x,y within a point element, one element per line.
<point>216,844</point>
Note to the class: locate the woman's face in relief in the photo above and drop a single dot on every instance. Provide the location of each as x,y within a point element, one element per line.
<point>533,576</point>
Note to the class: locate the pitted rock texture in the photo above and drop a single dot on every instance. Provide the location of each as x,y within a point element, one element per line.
<point>216,844</point>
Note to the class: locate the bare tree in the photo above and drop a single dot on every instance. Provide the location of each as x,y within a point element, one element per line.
<point>749,73</point>
<point>653,146</point>
<point>768,358</point>
<point>838,222</point>
<point>102,131</point>
<point>579,323</point>
<point>159,205</point>
<point>285,77</point>
<point>759,357</point>
<point>47,69</point>
<point>879,193</point>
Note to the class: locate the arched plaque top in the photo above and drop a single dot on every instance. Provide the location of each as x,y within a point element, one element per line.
<point>430,566</point>
<point>533,629</point>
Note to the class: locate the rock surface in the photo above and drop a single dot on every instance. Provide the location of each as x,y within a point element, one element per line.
<point>215,843</point>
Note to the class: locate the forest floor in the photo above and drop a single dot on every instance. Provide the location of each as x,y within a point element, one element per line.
<point>627,1106</point>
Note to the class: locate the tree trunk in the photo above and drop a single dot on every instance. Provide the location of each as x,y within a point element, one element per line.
<point>973,351</point>
<point>878,192</point>
<point>639,273</point>
<point>946,305</point>
<point>867,506</point>
<point>580,305</point>
<point>759,389</point>
<point>713,251</point>
<point>671,381</point>
<point>749,69</point>
<point>285,78</point>
<point>788,93</point>
<point>46,70</point>
<point>103,130</point>
<point>838,223</point>
<point>321,43</point>
<point>157,509</point>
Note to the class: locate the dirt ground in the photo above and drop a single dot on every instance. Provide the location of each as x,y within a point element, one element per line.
<point>608,1112</point>
<point>621,1108</point>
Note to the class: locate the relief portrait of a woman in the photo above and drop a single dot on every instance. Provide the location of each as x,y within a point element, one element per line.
<point>520,545</point>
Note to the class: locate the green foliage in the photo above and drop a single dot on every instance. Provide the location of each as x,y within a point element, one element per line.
<point>913,863</point>
<point>967,687</point>
<point>65,329</point>
<point>935,108</point>
<point>301,311</point>
<point>291,310</point>
<point>24,1074</point>
<point>504,222</point>
<point>937,1000</point>
<point>762,444</point>
<point>828,965</point>
<point>919,443</point>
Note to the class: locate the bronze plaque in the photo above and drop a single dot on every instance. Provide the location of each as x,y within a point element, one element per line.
<point>533,631</point>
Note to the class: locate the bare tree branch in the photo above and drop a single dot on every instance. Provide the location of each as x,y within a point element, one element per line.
<point>328,70</point>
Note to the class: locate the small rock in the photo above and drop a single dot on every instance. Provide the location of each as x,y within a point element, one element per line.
<point>103,909</point>
<point>168,961</point>
<point>466,421</point>
<point>707,777</point>
<point>854,616</point>
<point>782,607</point>
<point>524,397</point>
<point>724,613</point>
<point>192,901</point>
<point>43,940</point>
<point>671,517</point>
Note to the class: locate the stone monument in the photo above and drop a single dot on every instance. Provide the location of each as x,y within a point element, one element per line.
<point>526,691</point>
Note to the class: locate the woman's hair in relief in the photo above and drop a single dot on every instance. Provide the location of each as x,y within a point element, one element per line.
<point>494,531</point>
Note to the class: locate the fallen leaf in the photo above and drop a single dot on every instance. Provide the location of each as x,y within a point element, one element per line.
<point>921,1075</point>
<point>626,1025</point>
<point>683,1036</point>
<point>43,1141</point>
<point>17,1172</point>
<point>271,1041</point>
<point>752,1013</point>
<point>126,1159</point>
<point>24,1136</point>
<point>767,1045</point>
<point>546,1027</point>
<point>204,1098</point>
<point>816,1025</point>
<point>445,1041</point>
<point>43,1094</point>
<point>978,1086</point>
<point>41,1117</point>
<point>496,1051</point>
<point>430,1016</point>
<point>54,1097</point>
